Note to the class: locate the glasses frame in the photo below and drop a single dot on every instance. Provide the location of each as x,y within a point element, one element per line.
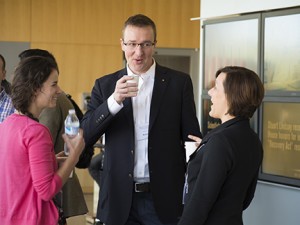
<point>133,45</point>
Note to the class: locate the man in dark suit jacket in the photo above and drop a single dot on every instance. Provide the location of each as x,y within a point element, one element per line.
<point>145,126</point>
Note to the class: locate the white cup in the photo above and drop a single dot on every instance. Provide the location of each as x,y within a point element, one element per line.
<point>134,80</point>
<point>190,147</point>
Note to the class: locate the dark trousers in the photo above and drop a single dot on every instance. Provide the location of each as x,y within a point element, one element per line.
<point>142,211</point>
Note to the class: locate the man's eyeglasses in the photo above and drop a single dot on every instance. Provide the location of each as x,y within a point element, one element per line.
<point>144,45</point>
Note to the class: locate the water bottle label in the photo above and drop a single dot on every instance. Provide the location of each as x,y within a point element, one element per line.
<point>72,131</point>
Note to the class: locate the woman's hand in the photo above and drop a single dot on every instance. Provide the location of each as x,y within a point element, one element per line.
<point>76,144</point>
<point>61,157</point>
<point>196,139</point>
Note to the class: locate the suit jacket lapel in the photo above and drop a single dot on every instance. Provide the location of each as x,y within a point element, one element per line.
<point>160,84</point>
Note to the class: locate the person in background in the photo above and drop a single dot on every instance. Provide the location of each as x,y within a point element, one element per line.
<point>6,106</point>
<point>222,173</point>
<point>72,198</point>
<point>96,166</point>
<point>145,126</point>
<point>30,177</point>
<point>95,170</point>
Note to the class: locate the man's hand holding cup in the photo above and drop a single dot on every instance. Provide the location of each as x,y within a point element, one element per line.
<point>126,87</point>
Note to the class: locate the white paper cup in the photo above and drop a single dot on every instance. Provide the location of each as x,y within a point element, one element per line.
<point>190,147</point>
<point>134,80</point>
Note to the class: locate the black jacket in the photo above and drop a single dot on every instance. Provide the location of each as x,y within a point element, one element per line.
<point>172,118</point>
<point>222,175</point>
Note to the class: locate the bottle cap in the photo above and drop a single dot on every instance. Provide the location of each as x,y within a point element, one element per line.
<point>71,111</point>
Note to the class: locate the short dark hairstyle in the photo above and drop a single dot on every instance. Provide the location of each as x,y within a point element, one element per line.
<point>140,20</point>
<point>243,89</point>
<point>29,77</point>
<point>37,52</point>
<point>4,83</point>
<point>4,63</point>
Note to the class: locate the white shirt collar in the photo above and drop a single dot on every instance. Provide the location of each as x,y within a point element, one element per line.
<point>149,74</point>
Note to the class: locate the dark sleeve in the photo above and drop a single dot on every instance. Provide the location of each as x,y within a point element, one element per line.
<point>78,111</point>
<point>97,118</point>
<point>85,157</point>
<point>190,123</point>
<point>95,168</point>
<point>250,193</point>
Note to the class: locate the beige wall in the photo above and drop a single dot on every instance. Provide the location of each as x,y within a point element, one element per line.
<point>84,35</point>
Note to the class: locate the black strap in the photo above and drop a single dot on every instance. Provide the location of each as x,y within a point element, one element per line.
<point>61,218</point>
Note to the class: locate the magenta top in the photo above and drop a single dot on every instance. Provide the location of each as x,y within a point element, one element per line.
<point>27,172</point>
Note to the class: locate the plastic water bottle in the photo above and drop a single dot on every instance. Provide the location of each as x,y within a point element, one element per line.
<point>71,127</point>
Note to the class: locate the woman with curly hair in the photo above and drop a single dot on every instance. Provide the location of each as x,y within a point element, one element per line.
<point>29,171</point>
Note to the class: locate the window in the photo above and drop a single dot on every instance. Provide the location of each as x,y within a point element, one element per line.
<point>268,43</point>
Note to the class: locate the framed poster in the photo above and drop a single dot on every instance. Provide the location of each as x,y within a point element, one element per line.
<point>281,142</point>
<point>280,121</point>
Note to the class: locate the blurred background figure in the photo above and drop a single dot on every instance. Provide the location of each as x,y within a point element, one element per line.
<point>96,170</point>
<point>6,106</point>
<point>72,197</point>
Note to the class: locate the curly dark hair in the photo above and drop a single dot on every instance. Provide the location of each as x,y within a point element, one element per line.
<point>29,77</point>
<point>37,52</point>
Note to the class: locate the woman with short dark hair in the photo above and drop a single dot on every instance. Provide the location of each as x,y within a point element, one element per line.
<point>222,173</point>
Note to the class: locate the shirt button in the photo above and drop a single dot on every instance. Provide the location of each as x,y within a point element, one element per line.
<point>130,175</point>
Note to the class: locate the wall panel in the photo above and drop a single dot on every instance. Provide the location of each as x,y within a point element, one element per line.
<point>15,20</point>
<point>81,65</point>
<point>172,18</point>
<point>77,21</point>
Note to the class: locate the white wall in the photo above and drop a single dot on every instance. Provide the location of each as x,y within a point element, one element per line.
<point>10,52</point>
<point>215,8</point>
<point>272,204</point>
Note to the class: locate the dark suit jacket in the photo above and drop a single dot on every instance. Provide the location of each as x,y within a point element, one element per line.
<point>172,118</point>
<point>222,175</point>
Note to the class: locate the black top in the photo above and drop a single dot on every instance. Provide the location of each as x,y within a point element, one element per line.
<point>222,175</point>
